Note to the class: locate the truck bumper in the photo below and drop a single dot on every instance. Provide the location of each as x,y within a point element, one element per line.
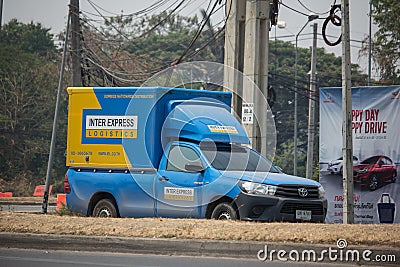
<point>271,208</point>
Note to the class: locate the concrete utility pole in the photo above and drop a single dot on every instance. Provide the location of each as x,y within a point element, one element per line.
<point>75,43</point>
<point>370,43</point>
<point>348,186</point>
<point>234,50</point>
<point>311,17</point>
<point>1,14</point>
<point>246,50</point>
<point>256,69</point>
<point>311,106</point>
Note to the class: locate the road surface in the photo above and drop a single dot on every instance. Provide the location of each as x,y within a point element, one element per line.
<point>36,208</point>
<point>40,258</point>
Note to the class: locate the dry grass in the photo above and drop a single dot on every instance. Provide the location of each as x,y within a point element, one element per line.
<point>377,235</point>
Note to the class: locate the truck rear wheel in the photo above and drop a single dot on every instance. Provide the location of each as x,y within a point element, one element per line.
<point>224,211</point>
<point>105,208</point>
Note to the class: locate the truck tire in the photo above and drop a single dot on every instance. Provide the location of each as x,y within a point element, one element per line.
<point>224,211</point>
<point>105,208</point>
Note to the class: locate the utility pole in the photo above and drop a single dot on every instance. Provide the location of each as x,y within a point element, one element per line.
<point>311,17</point>
<point>75,43</point>
<point>1,14</point>
<point>246,50</point>
<point>54,132</point>
<point>256,69</point>
<point>234,50</point>
<point>347,149</point>
<point>1,17</point>
<point>370,43</point>
<point>311,106</point>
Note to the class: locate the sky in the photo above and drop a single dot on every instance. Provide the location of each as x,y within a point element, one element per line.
<point>53,14</point>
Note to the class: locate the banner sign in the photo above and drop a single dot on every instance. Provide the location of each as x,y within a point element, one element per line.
<point>376,153</point>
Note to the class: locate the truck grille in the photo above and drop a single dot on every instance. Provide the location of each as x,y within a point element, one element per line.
<point>292,191</point>
<point>290,208</point>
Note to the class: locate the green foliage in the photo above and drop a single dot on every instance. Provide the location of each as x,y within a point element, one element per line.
<point>284,158</point>
<point>386,50</point>
<point>28,84</point>
<point>281,77</point>
<point>29,38</point>
<point>168,36</point>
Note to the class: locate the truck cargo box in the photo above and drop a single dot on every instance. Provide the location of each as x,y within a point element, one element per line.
<point>124,127</point>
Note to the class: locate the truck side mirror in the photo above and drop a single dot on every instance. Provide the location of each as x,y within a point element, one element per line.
<point>194,167</point>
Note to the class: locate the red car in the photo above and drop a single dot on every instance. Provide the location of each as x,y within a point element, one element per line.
<point>375,170</point>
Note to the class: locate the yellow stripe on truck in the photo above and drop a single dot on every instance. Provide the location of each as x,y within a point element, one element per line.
<point>91,155</point>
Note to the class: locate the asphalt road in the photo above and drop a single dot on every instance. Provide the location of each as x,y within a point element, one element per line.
<point>36,208</point>
<point>40,258</point>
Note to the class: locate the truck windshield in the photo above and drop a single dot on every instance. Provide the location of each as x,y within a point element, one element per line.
<point>235,158</point>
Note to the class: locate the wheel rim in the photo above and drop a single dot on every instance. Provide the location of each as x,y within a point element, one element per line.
<point>225,216</point>
<point>373,183</point>
<point>104,212</point>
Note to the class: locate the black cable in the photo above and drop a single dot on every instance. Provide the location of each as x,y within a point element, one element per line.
<point>142,12</point>
<point>295,10</point>
<point>214,38</point>
<point>194,39</point>
<point>123,35</point>
<point>335,20</point>
<point>162,21</point>
<point>309,10</point>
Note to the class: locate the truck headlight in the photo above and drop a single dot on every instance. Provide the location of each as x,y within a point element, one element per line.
<point>321,192</point>
<point>257,188</point>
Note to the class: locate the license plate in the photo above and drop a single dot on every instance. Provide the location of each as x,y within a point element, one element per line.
<point>304,215</point>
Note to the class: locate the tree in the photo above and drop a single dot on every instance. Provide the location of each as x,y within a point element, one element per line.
<point>281,71</point>
<point>386,47</point>
<point>28,84</point>
<point>30,38</point>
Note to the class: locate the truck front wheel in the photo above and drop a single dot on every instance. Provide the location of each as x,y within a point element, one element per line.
<point>105,208</point>
<point>224,211</point>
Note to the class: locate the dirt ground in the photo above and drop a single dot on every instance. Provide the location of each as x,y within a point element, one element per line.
<point>365,235</point>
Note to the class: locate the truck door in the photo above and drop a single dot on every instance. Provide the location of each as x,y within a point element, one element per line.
<point>178,183</point>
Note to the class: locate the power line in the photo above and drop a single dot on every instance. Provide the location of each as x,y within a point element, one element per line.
<point>293,9</point>
<point>200,29</point>
<point>309,10</point>
<point>139,13</point>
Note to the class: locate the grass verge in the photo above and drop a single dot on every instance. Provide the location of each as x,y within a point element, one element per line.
<point>356,234</point>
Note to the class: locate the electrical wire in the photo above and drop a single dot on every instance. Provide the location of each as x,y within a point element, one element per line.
<point>200,29</point>
<point>309,10</point>
<point>139,13</point>
<point>293,9</point>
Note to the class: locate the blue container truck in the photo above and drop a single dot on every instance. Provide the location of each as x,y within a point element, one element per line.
<point>179,153</point>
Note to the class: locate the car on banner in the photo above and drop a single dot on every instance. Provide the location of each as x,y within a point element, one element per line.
<point>374,171</point>
<point>336,166</point>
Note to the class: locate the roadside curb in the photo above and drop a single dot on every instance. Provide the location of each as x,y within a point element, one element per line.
<point>183,247</point>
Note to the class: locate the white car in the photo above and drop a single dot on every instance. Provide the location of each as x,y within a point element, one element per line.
<point>336,166</point>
